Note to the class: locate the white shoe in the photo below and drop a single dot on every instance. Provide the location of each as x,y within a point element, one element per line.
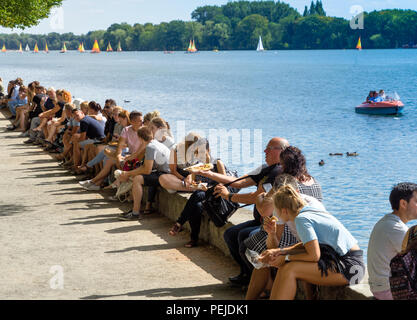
<point>84,183</point>
<point>92,187</point>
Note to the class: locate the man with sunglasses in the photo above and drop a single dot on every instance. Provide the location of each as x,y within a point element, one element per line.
<point>263,178</point>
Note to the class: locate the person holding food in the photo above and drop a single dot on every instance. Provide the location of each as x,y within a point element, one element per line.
<point>328,254</point>
<point>188,158</point>
<point>263,178</point>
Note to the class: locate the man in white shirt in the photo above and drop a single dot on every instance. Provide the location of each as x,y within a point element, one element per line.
<point>387,237</point>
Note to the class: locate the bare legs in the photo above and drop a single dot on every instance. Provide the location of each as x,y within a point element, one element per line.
<point>285,284</point>
<point>171,182</point>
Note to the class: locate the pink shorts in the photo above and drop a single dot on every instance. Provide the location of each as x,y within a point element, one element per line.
<point>383,295</point>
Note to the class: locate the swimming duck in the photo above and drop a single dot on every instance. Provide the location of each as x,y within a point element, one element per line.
<point>352,154</point>
<point>321,163</point>
<point>335,154</point>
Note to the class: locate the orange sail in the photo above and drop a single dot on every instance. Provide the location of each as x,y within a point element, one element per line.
<point>359,45</point>
<point>20,47</point>
<point>191,47</point>
<point>82,47</point>
<point>109,48</point>
<point>96,48</point>
<point>36,50</point>
<point>4,48</point>
<point>46,47</point>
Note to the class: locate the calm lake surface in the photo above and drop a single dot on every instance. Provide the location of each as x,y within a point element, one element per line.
<point>307,97</point>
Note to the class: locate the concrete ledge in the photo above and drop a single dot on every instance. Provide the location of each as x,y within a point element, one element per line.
<point>171,205</point>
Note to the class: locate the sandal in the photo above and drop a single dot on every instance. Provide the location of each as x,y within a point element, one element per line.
<point>175,230</point>
<point>191,244</point>
<point>148,211</point>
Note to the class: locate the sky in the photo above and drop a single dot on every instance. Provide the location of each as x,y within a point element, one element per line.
<point>81,16</point>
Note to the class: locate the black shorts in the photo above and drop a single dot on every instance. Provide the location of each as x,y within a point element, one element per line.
<point>351,265</point>
<point>354,266</point>
<point>152,179</point>
<point>183,172</point>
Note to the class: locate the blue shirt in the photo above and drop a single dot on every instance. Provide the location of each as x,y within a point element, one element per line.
<point>378,99</point>
<point>313,224</point>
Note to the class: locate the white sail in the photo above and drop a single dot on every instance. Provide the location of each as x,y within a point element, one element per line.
<point>260,46</point>
<point>27,48</point>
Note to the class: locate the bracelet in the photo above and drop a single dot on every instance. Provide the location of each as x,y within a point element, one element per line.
<point>287,258</point>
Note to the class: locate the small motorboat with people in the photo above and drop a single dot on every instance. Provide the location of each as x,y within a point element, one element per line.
<point>381,104</point>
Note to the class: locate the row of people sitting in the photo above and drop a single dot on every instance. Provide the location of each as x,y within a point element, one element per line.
<point>291,236</point>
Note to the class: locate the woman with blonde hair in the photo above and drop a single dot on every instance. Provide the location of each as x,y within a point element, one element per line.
<point>149,116</point>
<point>328,255</point>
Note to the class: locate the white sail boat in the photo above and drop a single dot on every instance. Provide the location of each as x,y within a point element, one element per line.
<point>27,47</point>
<point>260,46</point>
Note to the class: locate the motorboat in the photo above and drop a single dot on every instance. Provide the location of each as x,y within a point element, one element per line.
<point>381,108</point>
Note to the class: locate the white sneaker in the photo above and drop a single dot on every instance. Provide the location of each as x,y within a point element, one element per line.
<point>84,183</point>
<point>92,187</point>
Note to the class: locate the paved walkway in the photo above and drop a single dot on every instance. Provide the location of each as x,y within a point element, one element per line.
<point>58,241</point>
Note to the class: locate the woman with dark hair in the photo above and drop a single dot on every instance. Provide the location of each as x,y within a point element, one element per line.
<point>293,164</point>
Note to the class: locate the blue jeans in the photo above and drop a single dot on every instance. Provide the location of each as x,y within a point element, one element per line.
<point>234,238</point>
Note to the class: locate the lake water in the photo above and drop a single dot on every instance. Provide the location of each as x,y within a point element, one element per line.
<point>307,97</point>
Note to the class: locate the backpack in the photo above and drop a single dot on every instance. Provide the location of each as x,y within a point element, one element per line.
<point>403,278</point>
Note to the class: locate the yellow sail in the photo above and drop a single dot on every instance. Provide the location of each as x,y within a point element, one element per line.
<point>4,48</point>
<point>64,48</point>
<point>82,47</point>
<point>190,46</point>
<point>96,48</point>
<point>20,47</point>
<point>359,45</point>
<point>109,48</point>
<point>46,48</point>
<point>36,50</point>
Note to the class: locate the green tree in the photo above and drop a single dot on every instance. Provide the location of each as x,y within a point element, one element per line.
<point>249,30</point>
<point>25,13</point>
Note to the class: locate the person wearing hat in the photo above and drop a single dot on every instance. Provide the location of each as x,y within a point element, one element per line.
<point>387,238</point>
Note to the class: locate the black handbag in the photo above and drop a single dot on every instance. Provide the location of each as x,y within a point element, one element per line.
<point>219,210</point>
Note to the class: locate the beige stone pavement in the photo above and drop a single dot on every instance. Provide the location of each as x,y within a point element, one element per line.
<point>58,241</point>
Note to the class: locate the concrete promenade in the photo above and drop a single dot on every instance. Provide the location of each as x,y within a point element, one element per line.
<point>58,241</point>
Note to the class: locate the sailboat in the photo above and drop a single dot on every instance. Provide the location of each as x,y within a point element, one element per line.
<point>46,48</point>
<point>359,45</point>
<point>20,48</point>
<point>4,48</point>
<point>119,47</point>
<point>81,47</point>
<point>191,47</point>
<point>109,48</point>
<point>64,48</point>
<point>260,46</point>
<point>96,48</point>
<point>27,48</point>
<point>36,49</point>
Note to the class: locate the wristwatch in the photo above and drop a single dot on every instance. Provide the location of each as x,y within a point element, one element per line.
<point>287,258</point>
<point>230,196</point>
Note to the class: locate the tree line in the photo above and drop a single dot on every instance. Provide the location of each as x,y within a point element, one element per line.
<point>238,25</point>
